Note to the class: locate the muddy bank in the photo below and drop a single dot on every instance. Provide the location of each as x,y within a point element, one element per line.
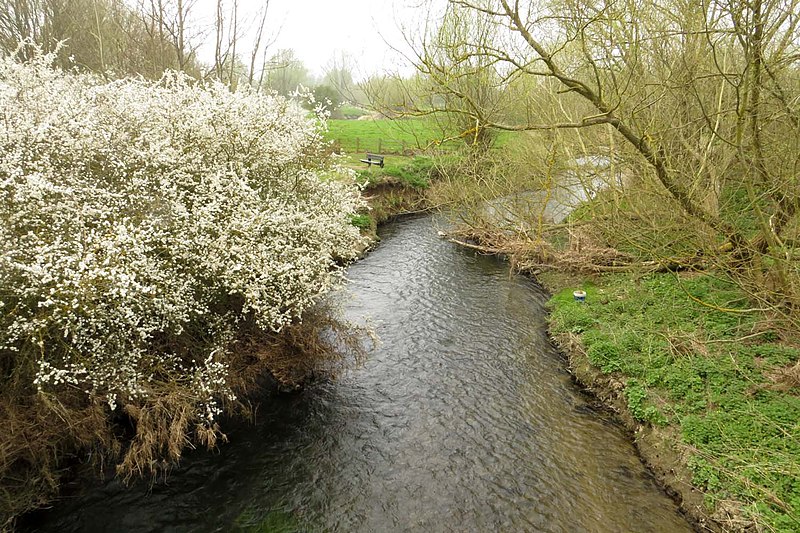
<point>658,447</point>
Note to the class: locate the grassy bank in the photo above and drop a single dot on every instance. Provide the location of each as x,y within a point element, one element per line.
<point>395,190</point>
<point>718,392</point>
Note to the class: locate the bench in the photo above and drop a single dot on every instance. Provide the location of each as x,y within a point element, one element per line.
<point>373,159</point>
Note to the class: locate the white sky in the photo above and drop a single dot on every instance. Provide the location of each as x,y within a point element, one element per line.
<point>319,30</point>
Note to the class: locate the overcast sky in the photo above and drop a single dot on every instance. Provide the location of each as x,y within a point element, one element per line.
<point>319,30</point>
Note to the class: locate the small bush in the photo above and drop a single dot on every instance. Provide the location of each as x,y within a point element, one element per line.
<point>636,395</point>
<point>605,355</point>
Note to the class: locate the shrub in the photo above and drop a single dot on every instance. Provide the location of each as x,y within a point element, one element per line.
<point>144,223</point>
<point>606,355</point>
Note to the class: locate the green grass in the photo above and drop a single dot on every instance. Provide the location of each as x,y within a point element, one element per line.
<point>354,161</point>
<point>381,135</point>
<point>415,172</point>
<point>685,366</point>
<point>363,221</point>
<point>386,136</point>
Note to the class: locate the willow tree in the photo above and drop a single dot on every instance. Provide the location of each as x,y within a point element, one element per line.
<point>700,99</point>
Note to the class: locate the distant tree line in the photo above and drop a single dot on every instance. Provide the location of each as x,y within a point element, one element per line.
<point>119,38</point>
<point>106,36</point>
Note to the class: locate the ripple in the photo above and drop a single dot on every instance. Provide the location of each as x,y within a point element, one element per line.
<point>462,420</point>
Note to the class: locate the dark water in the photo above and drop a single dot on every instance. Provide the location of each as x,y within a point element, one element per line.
<point>462,420</point>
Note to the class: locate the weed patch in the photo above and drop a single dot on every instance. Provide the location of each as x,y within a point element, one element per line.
<point>361,221</point>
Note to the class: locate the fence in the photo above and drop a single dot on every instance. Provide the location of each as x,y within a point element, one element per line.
<point>386,146</point>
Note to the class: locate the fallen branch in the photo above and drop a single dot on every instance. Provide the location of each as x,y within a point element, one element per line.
<point>570,262</point>
<point>482,249</point>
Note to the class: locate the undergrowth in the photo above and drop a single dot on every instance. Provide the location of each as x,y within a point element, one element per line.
<point>723,379</point>
<point>361,221</point>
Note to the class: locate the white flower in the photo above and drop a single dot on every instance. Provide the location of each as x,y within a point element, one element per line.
<point>136,212</point>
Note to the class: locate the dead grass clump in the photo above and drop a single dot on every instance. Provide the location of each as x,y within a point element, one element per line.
<point>168,420</point>
<point>682,345</point>
<point>729,514</point>
<point>322,344</point>
<point>161,422</point>
<point>787,378</point>
<point>583,254</point>
<point>46,433</point>
<point>39,432</point>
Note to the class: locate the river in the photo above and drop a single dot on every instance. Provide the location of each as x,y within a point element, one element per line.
<point>463,419</point>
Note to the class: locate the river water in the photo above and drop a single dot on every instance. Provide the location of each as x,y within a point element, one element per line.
<point>463,419</point>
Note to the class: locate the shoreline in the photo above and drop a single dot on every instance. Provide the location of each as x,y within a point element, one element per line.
<point>655,446</point>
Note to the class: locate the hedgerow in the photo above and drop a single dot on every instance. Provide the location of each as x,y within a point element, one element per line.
<point>145,225</point>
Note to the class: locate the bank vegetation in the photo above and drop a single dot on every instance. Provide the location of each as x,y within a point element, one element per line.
<point>165,246</point>
<point>650,139</point>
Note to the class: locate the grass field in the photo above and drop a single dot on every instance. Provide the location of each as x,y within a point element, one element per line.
<point>381,135</point>
<point>386,136</point>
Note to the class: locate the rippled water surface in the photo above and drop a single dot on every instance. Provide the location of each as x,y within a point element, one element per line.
<point>464,419</point>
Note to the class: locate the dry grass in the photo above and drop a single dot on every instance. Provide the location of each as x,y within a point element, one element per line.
<point>40,431</point>
<point>46,434</point>
<point>162,423</point>
<point>787,379</point>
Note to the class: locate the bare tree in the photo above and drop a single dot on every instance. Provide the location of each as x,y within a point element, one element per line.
<point>702,97</point>
<point>262,18</point>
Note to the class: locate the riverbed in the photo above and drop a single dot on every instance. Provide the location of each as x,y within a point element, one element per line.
<point>464,418</point>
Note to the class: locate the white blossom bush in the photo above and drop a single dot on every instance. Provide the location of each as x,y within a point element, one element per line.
<point>144,222</point>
